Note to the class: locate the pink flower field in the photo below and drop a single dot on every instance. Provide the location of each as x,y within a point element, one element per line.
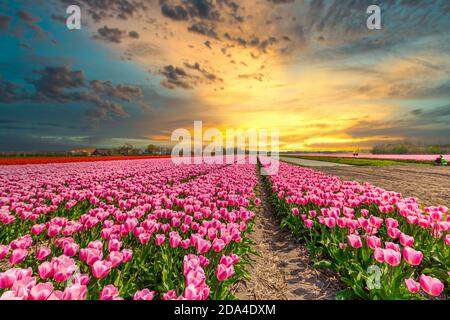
<point>150,229</point>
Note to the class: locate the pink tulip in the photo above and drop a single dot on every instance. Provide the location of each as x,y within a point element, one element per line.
<point>41,291</point>
<point>223,272</point>
<point>7,279</point>
<point>81,279</point>
<point>110,292</point>
<point>393,246</point>
<point>394,233</point>
<point>354,241</point>
<point>203,245</point>
<point>115,258</point>
<point>101,269</point>
<point>46,270</point>
<point>127,255</point>
<point>447,239</point>
<point>330,222</point>
<point>294,211</point>
<point>391,223</point>
<point>309,223</point>
<point>37,229</point>
<point>75,292</point>
<point>412,285</point>
<point>373,242</point>
<point>17,256</point>
<point>405,240</point>
<point>144,295</point>
<point>174,240</point>
<point>170,295</point>
<point>412,256</point>
<point>430,285</point>
<point>218,245</point>
<point>4,250</point>
<point>159,239</point>
<point>42,253</point>
<point>378,254</point>
<point>186,243</point>
<point>392,257</point>
<point>71,249</point>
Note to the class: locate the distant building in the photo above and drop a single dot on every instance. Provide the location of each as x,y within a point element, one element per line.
<point>83,151</point>
<point>105,152</point>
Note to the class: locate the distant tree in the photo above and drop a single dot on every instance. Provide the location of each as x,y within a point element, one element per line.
<point>126,149</point>
<point>151,149</point>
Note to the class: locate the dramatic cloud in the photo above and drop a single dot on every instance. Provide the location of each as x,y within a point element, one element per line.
<point>177,77</point>
<point>110,34</point>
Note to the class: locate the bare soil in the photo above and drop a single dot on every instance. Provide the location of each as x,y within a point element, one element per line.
<point>431,184</point>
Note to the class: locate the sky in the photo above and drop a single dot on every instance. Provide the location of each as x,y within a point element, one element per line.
<point>139,69</point>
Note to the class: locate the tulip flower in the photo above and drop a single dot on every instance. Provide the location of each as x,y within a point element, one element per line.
<point>373,242</point>
<point>430,285</point>
<point>159,239</point>
<point>412,285</point>
<point>41,291</point>
<point>110,292</point>
<point>4,250</point>
<point>75,292</point>
<point>46,270</point>
<point>392,257</point>
<point>7,279</point>
<point>101,269</point>
<point>42,253</point>
<point>354,241</point>
<point>412,256</point>
<point>144,295</point>
<point>17,256</point>
<point>405,240</point>
<point>223,272</point>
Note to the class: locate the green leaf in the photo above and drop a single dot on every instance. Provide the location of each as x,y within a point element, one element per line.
<point>323,264</point>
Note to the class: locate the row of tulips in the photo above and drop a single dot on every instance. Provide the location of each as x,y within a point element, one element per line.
<point>383,245</point>
<point>124,230</point>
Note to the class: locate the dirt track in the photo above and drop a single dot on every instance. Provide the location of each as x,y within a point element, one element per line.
<point>283,270</point>
<point>428,183</point>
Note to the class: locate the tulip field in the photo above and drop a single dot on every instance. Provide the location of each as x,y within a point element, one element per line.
<point>151,229</point>
<point>383,246</point>
<point>139,229</point>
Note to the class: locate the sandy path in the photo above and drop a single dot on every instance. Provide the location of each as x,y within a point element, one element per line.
<point>283,270</point>
<point>312,163</point>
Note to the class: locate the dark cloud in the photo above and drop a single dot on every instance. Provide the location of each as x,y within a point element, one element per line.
<point>103,9</point>
<point>177,77</point>
<point>207,75</point>
<point>54,81</point>
<point>114,35</point>
<point>133,34</point>
<point>203,29</point>
<point>4,22</point>
<point>61,84</point>
<point>174,12</point>
<point>124,92</point>
<point>200,9</point>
